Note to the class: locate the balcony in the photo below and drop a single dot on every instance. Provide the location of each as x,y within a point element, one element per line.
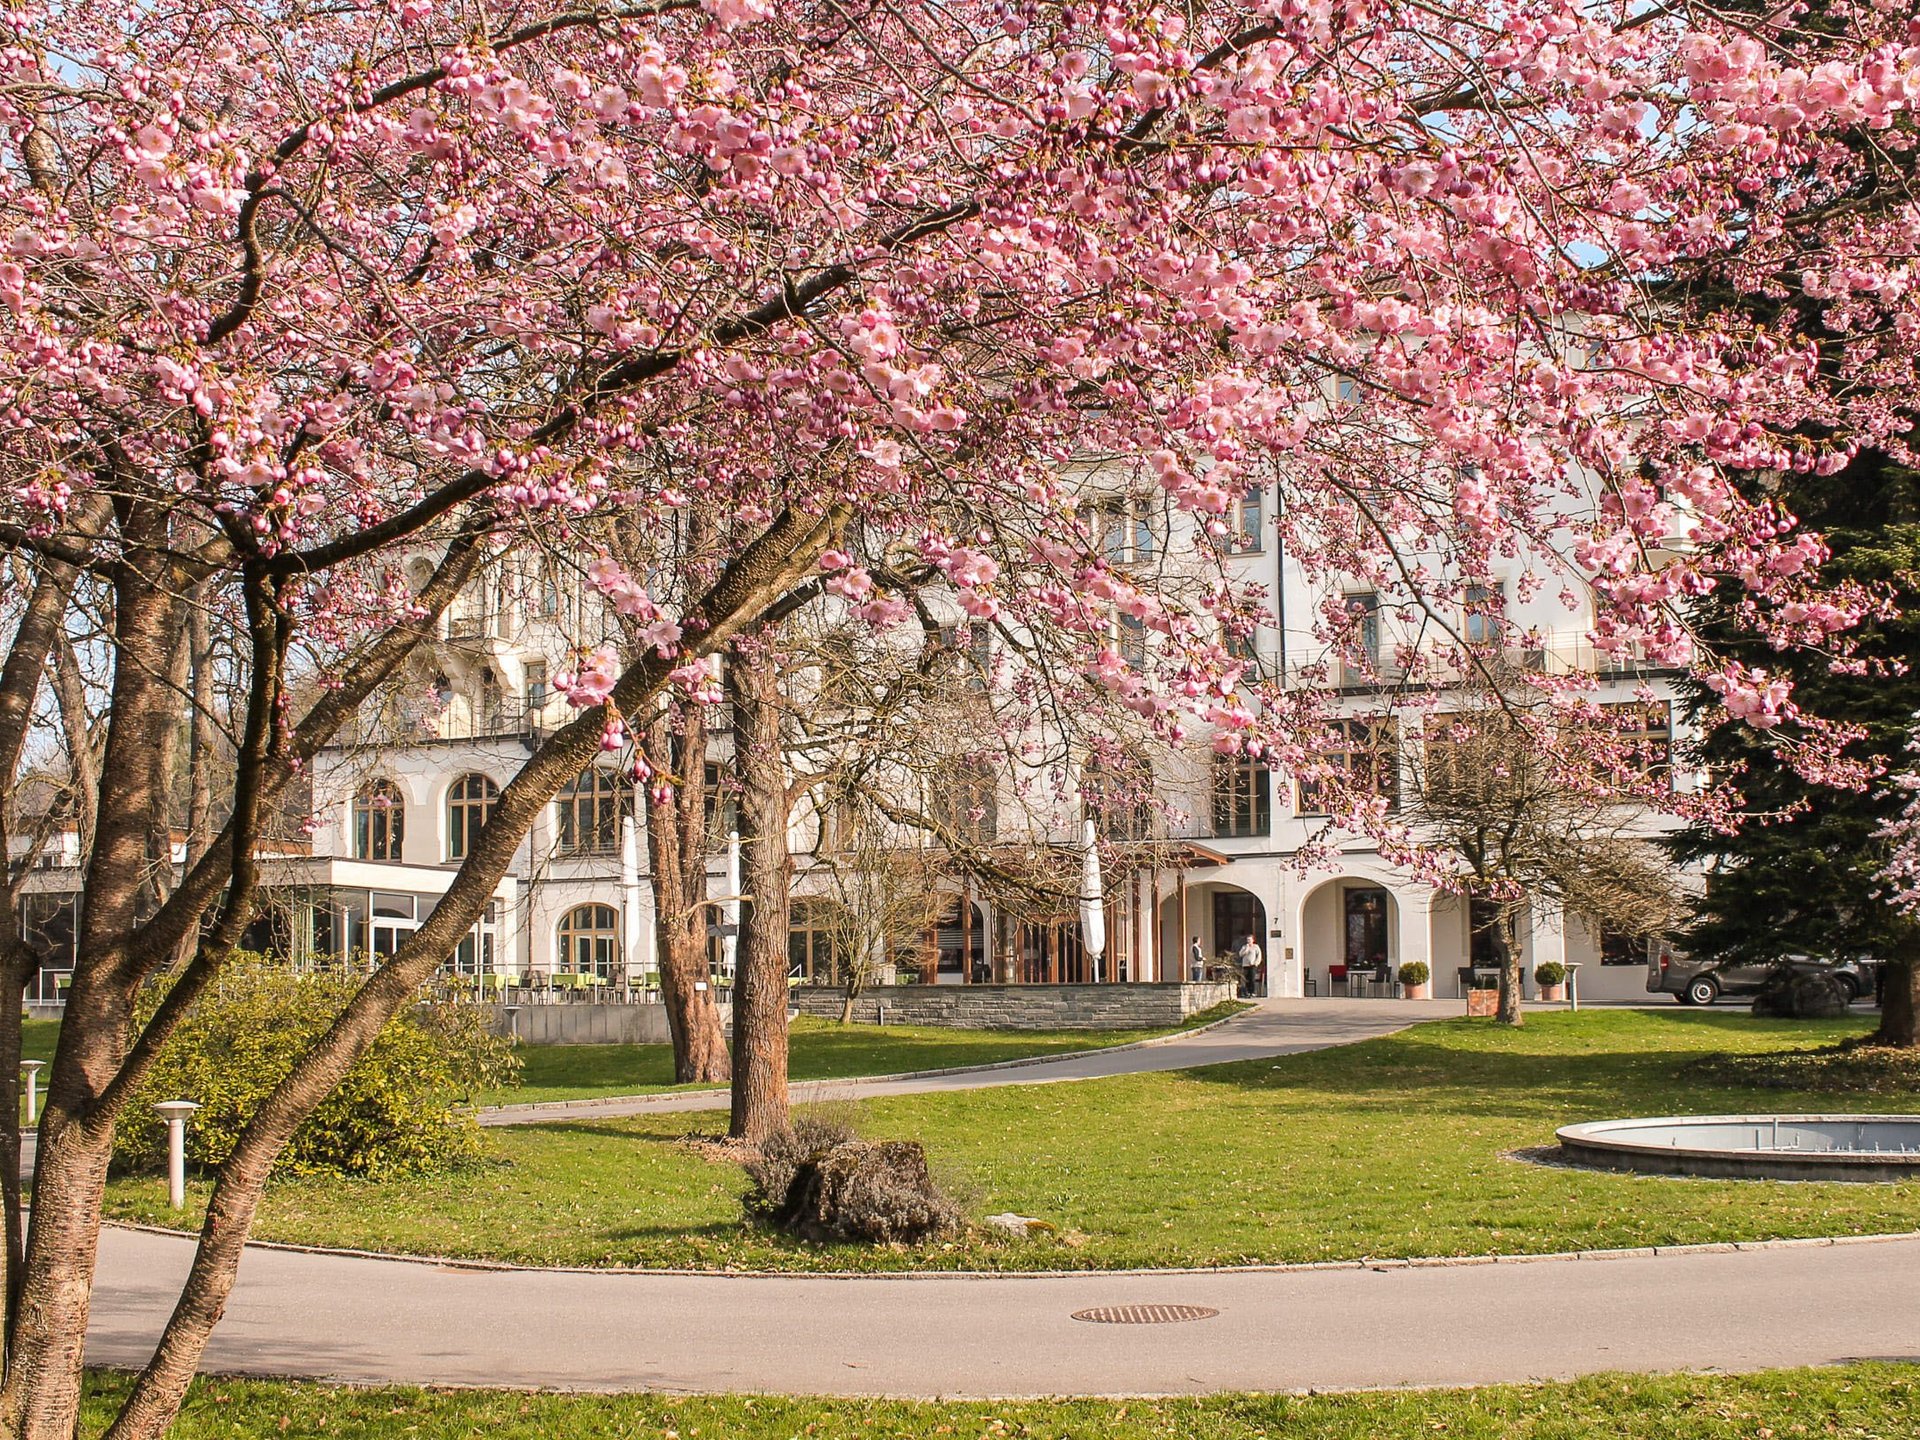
<point>418,722</point>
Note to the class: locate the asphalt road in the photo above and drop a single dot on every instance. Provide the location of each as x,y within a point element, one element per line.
<point>1276,1027</point>
<point>371,1320</point>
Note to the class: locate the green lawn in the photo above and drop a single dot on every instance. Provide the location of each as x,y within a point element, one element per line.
<point>821,1050</point>
<point>1849,1402</point>
<point>1398,1146</point>
<point>37,1039</point>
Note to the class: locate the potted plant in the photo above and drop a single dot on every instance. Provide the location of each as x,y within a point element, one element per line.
<point>1550,977</point>
<point>1418,980</point>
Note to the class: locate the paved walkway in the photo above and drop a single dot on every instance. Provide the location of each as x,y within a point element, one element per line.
<point>372,1320</point>
<point>1274,1027</point>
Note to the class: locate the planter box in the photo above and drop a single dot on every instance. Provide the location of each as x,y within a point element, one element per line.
<point>1553,992</point>
<point>1483,1004</point>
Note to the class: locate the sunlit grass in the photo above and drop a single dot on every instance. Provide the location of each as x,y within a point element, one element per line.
<point>1398,1146</point>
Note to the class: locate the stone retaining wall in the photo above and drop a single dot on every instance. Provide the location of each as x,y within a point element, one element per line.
<point>589,1024</point>
<point>1022,1007</point>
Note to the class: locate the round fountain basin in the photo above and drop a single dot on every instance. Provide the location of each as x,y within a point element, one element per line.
<point>1753,1147</point>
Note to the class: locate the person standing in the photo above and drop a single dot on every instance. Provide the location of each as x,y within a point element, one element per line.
<point>1196,961</point>
<point>1250,958</point>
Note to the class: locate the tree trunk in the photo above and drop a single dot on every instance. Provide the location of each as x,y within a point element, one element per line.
<point>1506,942</point>
<point>675,746</point>
<point>40,1399</point>
<point>203,737</point>
<point>760,978</point>
<point>1900,993</point>
<point>744,590</point>
<point>35,636</point>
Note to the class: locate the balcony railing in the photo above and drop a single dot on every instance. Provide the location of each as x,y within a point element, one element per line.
<point>415,722</point>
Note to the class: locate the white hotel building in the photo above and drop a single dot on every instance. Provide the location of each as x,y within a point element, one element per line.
<point>394,807</point>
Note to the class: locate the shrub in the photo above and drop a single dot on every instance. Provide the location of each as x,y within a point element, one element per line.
<point>818,1182</point>
<point>1415,972</point>
<point>395,1113</point>
<point>1549,972</point>
<point>780,1157</point>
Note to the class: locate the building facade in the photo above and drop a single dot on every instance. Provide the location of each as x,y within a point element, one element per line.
<point>1219,856</point>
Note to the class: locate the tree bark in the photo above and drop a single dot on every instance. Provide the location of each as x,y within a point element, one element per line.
<point>760,979</point>
<point>1506,942</point>
<point>1900,994</point>
<point>40,1399</point>
<point>744,590</point>
<point>203,737</point>
<point>34,638</point>
<point>676,744</point>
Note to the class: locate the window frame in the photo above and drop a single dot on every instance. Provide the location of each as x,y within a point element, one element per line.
<point>462,825</point>
<point>1384,760</point>
<point>1242,808</point>
<point>606,790</point>
<point>379,832</point>
<point>596,932</point>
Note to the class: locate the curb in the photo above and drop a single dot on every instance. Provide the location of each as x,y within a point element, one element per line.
<point>599,1102</point>
<point>1301,1267</point>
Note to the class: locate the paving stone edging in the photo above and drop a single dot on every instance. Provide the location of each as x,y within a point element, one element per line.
<point>1298,1267</point>
<point>661,1096</point>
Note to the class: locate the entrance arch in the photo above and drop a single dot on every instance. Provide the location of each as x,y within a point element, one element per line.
<point>1221,915</point>
<point>1347,924</point>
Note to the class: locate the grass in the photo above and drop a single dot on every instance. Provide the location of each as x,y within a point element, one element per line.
<point>1854,1069</point>
<point>1394,1147</point>
<point>821,1050</point>
<point>1846,1402</point>
<point>37,1039</point>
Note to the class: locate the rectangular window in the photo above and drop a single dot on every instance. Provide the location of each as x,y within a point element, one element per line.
<point>1645,729</point>
<point>589,812</point>
<point>536,685</point>
<point>1485,614</point>
<point>1125,530</point>
<point>1363,610</point>
<point>1133,641</point>
<point>722,802</point>
<point>1367,753</point>
<point>1242,796</point>
<point>1247,522</point>
<point>1619,948</point>
<point>965,802</point>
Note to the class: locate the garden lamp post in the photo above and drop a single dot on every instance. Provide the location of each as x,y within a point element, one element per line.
<point>175,1113</point>
<point>32,1068</point>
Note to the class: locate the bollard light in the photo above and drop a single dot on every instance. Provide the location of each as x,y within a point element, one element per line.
<point>175,1113</point>
<point>33,1069</point>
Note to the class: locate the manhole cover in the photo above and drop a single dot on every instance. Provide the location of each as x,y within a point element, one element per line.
<point>1145,1314</point>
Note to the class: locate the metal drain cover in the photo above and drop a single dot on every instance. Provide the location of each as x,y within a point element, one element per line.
<point>1145,1314</point>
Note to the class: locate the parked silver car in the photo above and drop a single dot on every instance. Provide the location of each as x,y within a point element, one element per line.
<point>1697,982</point>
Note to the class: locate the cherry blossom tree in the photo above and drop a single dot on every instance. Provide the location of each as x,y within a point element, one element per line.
<point>288,288</point>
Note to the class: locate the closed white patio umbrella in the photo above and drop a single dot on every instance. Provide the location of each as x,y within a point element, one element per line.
<point>1093,909</point>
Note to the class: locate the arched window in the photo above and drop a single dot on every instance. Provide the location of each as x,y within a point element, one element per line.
<point>379,821</point>
<point>589,813</point>
<point>469,803</point>
<point>589,941</point>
